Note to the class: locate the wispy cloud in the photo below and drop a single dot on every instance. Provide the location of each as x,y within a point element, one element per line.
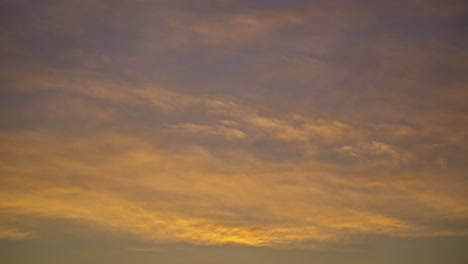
<point>301,126</point>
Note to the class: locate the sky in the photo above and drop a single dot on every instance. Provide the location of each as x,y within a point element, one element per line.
<point>234,131</point>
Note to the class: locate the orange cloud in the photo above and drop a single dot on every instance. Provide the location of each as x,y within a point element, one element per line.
<point>246,126</point>
<point>122,183</point>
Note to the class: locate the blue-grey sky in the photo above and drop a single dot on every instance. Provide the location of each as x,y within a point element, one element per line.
<point>138,131</point>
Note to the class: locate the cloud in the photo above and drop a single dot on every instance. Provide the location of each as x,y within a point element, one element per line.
<point>246,125</point>
<point>13,234</point>
<point>226,132</point>
<point>375,149</point>
<point>124,184</point>
<point>163,176</point>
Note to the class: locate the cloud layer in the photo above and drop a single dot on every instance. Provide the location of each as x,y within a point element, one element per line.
<point>222,123</point>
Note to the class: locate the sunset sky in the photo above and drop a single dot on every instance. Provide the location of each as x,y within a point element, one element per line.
<point>234,131</point>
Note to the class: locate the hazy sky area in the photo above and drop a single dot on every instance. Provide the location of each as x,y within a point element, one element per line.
<point>227,132</point>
